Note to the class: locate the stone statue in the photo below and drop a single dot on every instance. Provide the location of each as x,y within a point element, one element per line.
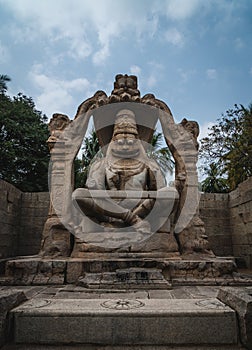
<point>125,167</point>
<point>126,204</point>
<point>56,127</point>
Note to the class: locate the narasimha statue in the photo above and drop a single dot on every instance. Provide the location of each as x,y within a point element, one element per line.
<point>126,205</point>
<point>126,167</point>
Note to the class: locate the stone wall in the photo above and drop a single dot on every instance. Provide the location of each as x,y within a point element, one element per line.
<point>10,202</point>
<point>22,217</point>
<point>227,217</point>
<point>34,213</point>
<point>241,221</point>
<point>214,211</point>
<point>228,220</point>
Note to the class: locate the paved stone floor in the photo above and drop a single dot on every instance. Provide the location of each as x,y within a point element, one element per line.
<point>118,347</point>
<point>72,291</point>
<point>76,292</point>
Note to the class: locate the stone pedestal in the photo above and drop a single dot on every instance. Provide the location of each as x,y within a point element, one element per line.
<point>174,269</point>
<point>126,322</point>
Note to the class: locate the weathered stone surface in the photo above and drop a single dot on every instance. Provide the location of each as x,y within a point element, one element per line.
<point>10,201</point>
<point>213,211</point>
<point>35,271</point>
<point>131,278</point>
<point>159,241</point>
<point>228,222</point>
<point>153,322</point>
<point>8,300</point>
<point>193,270</point>
<point>241,221</point>
<point>56,239</point>
<point>240,299</point>
<point>126,126</point>
<point>22,216</point>
<point>118,347</point>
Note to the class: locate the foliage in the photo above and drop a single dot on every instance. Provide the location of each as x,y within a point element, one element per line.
<point>214,183</point>
<point>162,155</point>
<point>3,83</point>
<point>24,154</point>
<point>91,150</point>
<point>229,146</point>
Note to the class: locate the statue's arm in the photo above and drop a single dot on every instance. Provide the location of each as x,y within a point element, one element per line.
<point>96,175</point>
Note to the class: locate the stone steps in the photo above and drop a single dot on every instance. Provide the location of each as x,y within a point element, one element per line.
<point>118,323</point>
<point>176,271</point>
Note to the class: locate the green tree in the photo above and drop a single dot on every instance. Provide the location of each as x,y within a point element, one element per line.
<point>3,83</point>
<point>91,150</point>
<point>162,155</point>
<point>214,183</point>
<point>229,145</point>
<point>24,154</point>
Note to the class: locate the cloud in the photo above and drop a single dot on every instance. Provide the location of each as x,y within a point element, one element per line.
<point>211,74</point>
<point>173,36</point>
<point>185,75</point>
<point>136,70</point>
<point>100,56</point>
<point>204,130</point>
<point>4,54</point>
<point>56,95</point>
<point>238,43</point>
<point>151,81</point>
<point>87,27</point>
<point>156,70</point>
<point>181,9</point>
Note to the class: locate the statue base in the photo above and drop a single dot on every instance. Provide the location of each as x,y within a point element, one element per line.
<point>156,243</point>
<point>168,269</point>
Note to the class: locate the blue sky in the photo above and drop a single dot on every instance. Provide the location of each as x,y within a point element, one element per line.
<point>196,55</point>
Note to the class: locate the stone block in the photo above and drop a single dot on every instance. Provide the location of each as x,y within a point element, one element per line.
<point>125,321</point>
<point>242,249</point>
<point>74,271</point>
<point>249,227</point>
<point>58,266</point>
<point>45,267</point>
<point>131,278</point>
<point>239,239</point>
<point>8,300</point>
<point>240,299</point>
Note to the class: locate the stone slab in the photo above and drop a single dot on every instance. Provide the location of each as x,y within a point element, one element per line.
<point>170,192</point>
<point>118,347</point>
<point>132,278</point>
<point>113,322</point>
<point>8,300</point>
<point>177,271</point>
<point>240,299</point>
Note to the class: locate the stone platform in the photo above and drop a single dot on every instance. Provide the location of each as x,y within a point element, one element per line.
<point>125,321</point>
<point>119,347</point>
<point>181,318</point>
<point>124,268</point>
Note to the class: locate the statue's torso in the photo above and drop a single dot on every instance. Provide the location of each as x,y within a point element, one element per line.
<point>126,179</point>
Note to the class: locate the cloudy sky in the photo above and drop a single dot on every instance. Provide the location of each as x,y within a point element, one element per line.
<point>196,55</point>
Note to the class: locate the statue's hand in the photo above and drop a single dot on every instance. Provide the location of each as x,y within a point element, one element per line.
<point>142,226</point>
<point>91,184</point>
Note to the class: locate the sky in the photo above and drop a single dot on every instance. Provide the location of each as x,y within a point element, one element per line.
<point>195,55</point>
